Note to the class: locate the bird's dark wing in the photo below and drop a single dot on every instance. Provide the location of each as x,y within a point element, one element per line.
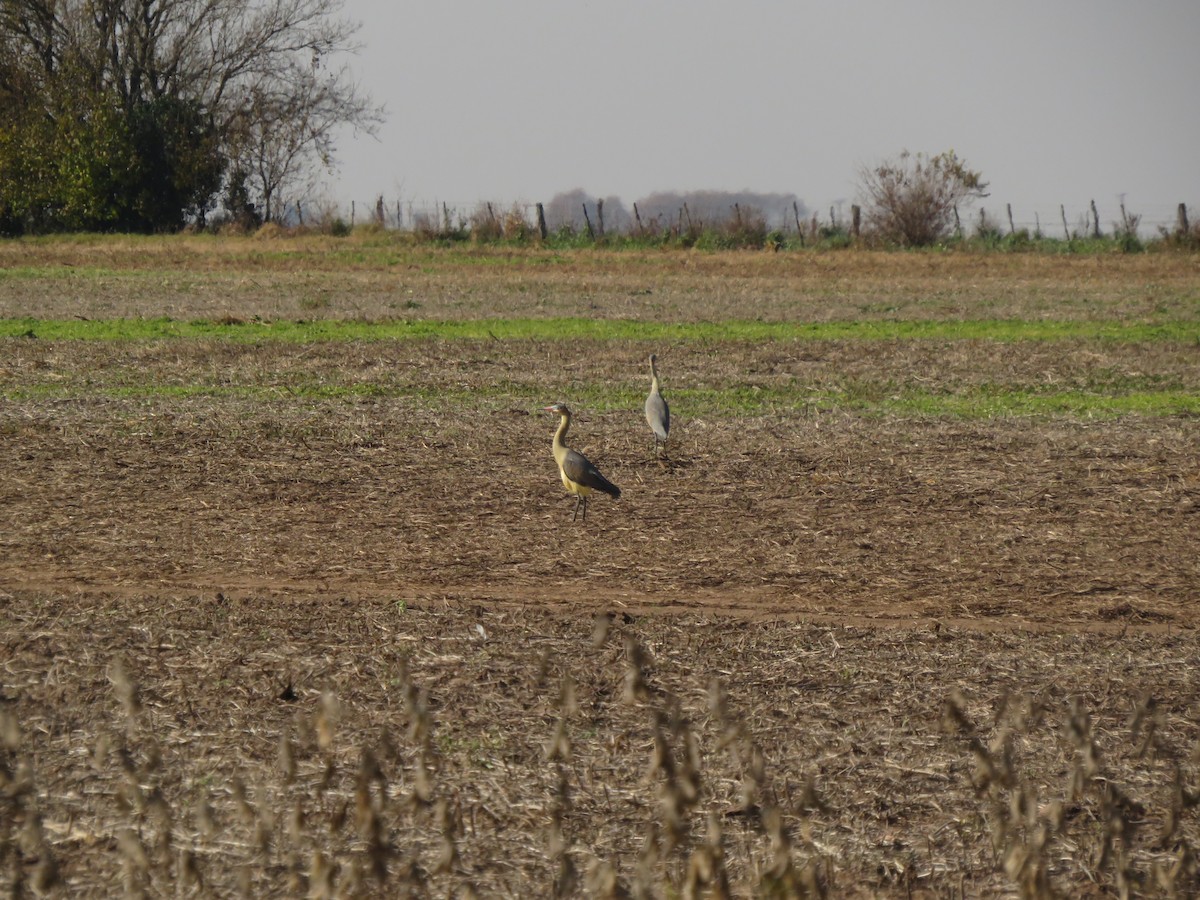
<point>581,471</point>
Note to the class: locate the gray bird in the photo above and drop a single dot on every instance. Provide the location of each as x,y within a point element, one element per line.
<point>579,476</point>
<point>658,414</point>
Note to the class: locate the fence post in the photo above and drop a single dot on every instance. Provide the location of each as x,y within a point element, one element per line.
<point>1181,219</point>
<point>856,219</point>
<point>600,216</point>
<point>586,218</point>
<point>957,222</point>
<point>541,213</point>
<point>637,218</point>
<point>1066,231</point>
<point>1095,221</point>
<point>1011,228</point>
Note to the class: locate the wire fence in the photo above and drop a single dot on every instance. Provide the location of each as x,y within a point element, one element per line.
<point>1049,220</point>
<point>1063,220</point>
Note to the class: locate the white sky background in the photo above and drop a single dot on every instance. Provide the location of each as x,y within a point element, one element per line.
<point>1054,101</point>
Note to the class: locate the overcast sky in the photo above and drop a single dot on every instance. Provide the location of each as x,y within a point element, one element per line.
<point>1054,101</point>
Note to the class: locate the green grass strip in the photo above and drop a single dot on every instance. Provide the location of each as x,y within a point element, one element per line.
<point>719,402</point>
<point>1005,330</point>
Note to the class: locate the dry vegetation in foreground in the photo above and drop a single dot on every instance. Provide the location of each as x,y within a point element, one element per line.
<point>286,744</point>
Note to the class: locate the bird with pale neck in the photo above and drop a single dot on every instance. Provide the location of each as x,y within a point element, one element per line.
<point>579,476</point>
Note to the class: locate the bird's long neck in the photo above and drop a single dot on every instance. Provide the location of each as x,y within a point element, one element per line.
<point>654,379</point>
<point>560,448</point>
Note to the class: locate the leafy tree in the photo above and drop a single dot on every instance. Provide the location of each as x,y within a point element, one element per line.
<point>170,95</point>
<point>62,163</point>
<point>239,203</point>
<point>178,163</point>
<point>90,162</point>
<point>911,200</point>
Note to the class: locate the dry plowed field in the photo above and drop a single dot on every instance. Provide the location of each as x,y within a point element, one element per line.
<point>285,618</point>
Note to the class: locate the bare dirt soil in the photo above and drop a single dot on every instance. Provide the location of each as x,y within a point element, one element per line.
<point>260,640</point>
<point>824,515</point>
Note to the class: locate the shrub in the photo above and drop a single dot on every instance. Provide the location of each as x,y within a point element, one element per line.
<point>1126,232</point>
<point>485,224</point>
<point>745,227</point>
<point>911,200</point>
<point>1179,239</point>
<point>517,226</point>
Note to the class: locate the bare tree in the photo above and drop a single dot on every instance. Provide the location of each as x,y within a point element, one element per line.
<point>911,200</point>
<point>259,68</point>
<point>282,131</point>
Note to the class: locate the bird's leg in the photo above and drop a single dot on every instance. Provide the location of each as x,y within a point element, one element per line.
<point>578,500</point>
<point>584,501</point>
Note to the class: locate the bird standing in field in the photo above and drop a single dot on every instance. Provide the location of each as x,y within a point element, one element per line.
<point>579,476</point>
<point>658,414</point>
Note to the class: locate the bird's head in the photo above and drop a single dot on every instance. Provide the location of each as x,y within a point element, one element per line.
<point>559,408</point>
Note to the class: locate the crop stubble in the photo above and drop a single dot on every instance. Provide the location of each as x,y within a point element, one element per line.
<point>243,557</point>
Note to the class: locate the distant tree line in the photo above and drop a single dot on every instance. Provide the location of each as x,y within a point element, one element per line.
<point>664,211</point>
<point>142,115</point>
